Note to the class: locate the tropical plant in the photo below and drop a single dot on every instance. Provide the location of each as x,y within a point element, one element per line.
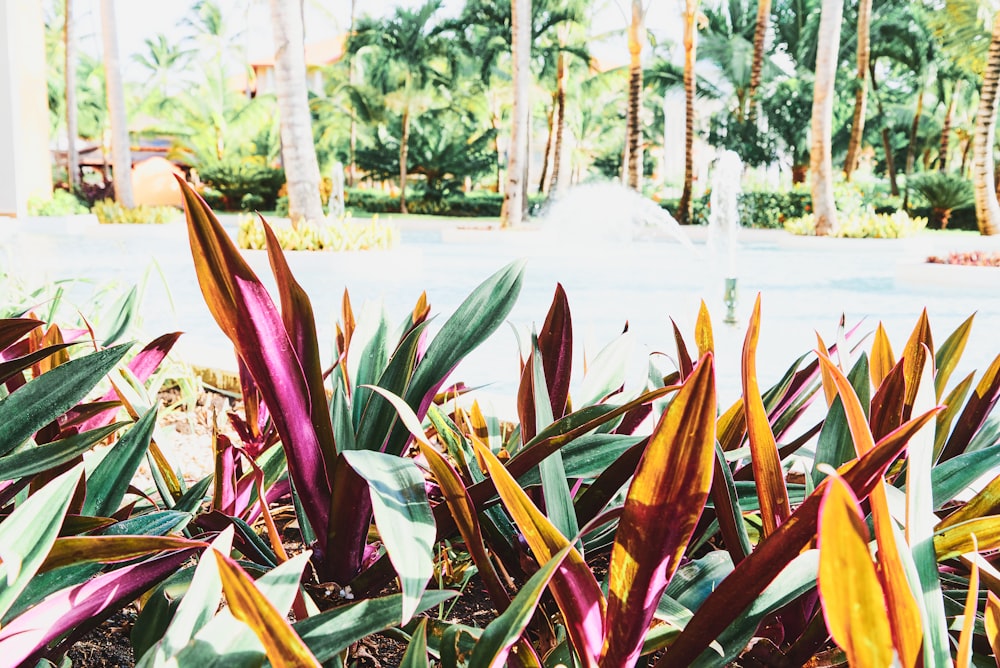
<point>346,235</point>
<point>943,193</point>
<point>863,224</point>
<point>110,212</point>
<point>407,59</point>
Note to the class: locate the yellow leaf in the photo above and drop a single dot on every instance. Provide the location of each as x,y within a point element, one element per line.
<point>853,602</point>
<point>969,617</point>
<point>882,358</point>
<point>703,331</point>
<point>991,620</point>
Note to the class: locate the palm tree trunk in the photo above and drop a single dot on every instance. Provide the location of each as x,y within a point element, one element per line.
<point>512,212</point>
<point>911,149</point>
<point>861,94</point>
<point>759,35</point>
<point>690,52</point>
<point>890,163</point>
<point>121,152</point>
<point>634,140</point>
<point>352,167</point>
<point>562,76</point>
<point>404,149</point>
<point>298,152</point>
<point>987,207</point>
<point>543,186</point>
<point>946,130</point>
<point>820,155</point>
<point>72,159</point>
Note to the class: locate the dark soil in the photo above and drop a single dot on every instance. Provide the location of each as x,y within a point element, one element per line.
<point>108,645</point>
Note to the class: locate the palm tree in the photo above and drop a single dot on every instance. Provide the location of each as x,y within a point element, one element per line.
<point>161,59</point>
<point>121,153</point>
<point>633,126</point>
<point>690,53</point>
<point>514,204</point>
<point>72,159</point>
<point>820,157</point>
<point>759,37</point>
<point>298,153</point>
<point>861,91</point>
<point>987,207</point>
<point>408,58</point>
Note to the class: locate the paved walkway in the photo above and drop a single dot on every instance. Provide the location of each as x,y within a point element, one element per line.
<point>806,284</point>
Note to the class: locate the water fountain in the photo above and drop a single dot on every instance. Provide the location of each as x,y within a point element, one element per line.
<point>724,224</point>
<point>596,214</point>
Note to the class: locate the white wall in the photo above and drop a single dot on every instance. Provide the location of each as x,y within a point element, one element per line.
<point>24,115</point>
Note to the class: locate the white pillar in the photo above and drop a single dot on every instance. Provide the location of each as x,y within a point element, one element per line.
<point>25,162</point>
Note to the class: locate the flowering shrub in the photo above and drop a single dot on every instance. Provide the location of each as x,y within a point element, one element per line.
<point>864,224</point>
<point>340,236</point>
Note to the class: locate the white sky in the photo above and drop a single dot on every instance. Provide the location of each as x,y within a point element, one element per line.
<point>140,19</point>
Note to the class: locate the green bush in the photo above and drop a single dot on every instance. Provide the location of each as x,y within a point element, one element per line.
<point>943,193</point>
<point>63,203</point>
<point>110,212</point>
<point>235,179</point>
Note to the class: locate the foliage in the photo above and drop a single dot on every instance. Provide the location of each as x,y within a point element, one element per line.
<point>973,259</point>
<point>110,212</point>
<point>757,208</point>
<point>63,203</point>
<point>345,235</point>
<point>474,204</point>
<point>243,183</point>
<point>942,193</point>
<point>865,224</point>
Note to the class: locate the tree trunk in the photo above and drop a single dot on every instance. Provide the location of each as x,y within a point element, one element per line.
<point>946,130</point>
<point>820,155</point>
<point>690,52</point>
<point>352,167</point>
<point>121,152</point>
<point>634,125</point>
<point>562,76</point>
<point>404,150</point>
<point>759,35</point>
<point>512,213</point>
<point>72,159</point>
<point>298,153</point>
<point>911,149</point>
<point>861,94</point>
<point>543,186</point>
<point>987,207</point>
<point>890,163</point>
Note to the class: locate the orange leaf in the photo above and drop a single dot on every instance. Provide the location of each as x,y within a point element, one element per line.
<point>991,619</point>
<point>882,358</point>
<point>673,480</point>
<point>283,646</point>
<point>768,475</point>
<point>853,603</point>
<point>964,658</point>
<point>703,331</point>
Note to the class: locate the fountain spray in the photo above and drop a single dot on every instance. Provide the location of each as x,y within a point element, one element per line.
<point>724,224</point>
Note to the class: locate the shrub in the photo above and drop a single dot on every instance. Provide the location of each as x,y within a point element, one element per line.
<point>322,236</point>
<point>863,225</point>
<point>943,193</point>
<point>63,203</point>
<point>110,212</point>
<point>233,179</point>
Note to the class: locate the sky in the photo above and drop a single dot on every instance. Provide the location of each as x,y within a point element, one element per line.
<point>141,19</point>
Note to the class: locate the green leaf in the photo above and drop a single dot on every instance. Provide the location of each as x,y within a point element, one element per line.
<point>109,481</point>
<point>403,517</point>
<point>158,523</point>
<point>952,477</point>
<point>606,372</point>
<point>45,398</point>
<point>329,633</point>
<point>555,485</point>
<point>27,535</point>
<point>503,632</point>
<point>124,310</point>
<point>949,354</point>
<point>47,456</point>
<point>416,651</point>
<point>835,445</point>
